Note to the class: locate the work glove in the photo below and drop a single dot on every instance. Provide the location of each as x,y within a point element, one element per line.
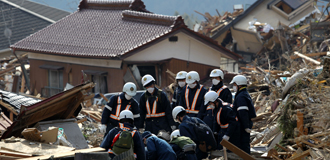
<point>141,130</point>
<point>173,128</point>
<point>225,137</point>
<point>247,130</point>
<point>103,128</point>
<point>215,133</point>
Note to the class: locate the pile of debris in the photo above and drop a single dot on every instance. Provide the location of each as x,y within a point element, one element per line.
<point>214,23</point>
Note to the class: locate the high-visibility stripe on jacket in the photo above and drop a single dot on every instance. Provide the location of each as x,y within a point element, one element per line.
<point>153,114</point>
<point>191,109</point>
<point>218,120</point>
<point>116,116</point>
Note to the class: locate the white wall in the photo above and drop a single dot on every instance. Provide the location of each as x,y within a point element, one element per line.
<point>186,48</point>
<point>264,15</point>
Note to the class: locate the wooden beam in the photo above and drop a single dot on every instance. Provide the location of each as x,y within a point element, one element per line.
<point>310,55</point>
<point>9,107</point>
<point>75,104</point>
<point>236,150</point>
<point>105,98</point>
<point>82,120</point>
<point>22,85</point>
<point>15,154</point>
<point>300,155</point>
<point>300,123</point>
<point>307,58</point>
<point>66,154</point>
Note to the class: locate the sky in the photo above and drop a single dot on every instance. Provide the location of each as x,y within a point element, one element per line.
<point>166,7</point>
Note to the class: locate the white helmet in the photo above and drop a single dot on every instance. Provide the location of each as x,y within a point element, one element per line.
<point>217,73</point>
<point>181,75</point>
<point>239,80</point>
<point>175,133</point>
<point>191,77</point>
<point>130,89</point>
<point>126,114</point>
<point>210,96</point>
<point>176,111</point>
<point>146,79</point>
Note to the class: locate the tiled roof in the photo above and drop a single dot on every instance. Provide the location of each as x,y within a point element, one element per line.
<point>24,21</point>
<point>92,32</point>
<point>17,100</point>
<point>107,29</point>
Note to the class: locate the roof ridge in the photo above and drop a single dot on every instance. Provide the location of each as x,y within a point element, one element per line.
<point>149,17</point>
<point>104,4</point>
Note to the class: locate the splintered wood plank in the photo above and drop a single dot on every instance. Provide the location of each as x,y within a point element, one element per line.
<point>300,155</point>
<point>66,154</point>
<point>236,150</point>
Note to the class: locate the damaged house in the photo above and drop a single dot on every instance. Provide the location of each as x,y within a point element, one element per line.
<point>113,42</point>
<point>245,30</point>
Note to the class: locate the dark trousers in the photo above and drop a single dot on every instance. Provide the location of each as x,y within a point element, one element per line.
<point>245,141</point>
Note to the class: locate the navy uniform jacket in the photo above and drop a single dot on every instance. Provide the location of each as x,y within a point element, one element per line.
<point>138,143</point>
<point>224,91</point>
<point>193,100</point>
<point>178,93</point>
<point>226,119</point>
<point>244,108</point>
<point>159,149</point>
<point>158,115</point>
<point>112,117</point>
<point>186,129</point>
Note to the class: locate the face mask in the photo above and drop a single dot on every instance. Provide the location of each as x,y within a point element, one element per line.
<point>235,88</point>
<point>192,85</point>
<point>215,81</point>
<point>211,106</point>
<point>128,97</point>
<point>151,90</point>
<point>182,84</point>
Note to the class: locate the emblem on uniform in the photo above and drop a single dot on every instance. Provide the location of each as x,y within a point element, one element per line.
<point>189,77</point>
<point>145,79</point>
<point>132,89</point>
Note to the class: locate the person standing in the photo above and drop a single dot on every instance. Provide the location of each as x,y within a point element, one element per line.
<point>193,99</point>
<point>179,91</point>
<point>243,106</point>
<point>155,109</point>
<point>118,103</point>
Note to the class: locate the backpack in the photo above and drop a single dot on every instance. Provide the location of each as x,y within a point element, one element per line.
<point>182,141</point>
<point>205,136</point>
<point>122,142</point>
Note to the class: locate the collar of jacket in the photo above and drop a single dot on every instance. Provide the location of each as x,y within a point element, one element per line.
<point>241,90</point>
<point>128,125</point>
<point>217,87</point>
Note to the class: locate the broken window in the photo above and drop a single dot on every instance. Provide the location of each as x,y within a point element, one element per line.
<point>289,6</point>
<point>100,82</point>
<point>55,82</point>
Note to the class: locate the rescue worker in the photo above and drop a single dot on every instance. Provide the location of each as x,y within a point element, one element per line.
<point>186,129</point>
<point>183,146</point>
<point>193,99</point>
<point>223,91</point>
<point>126,123</point>
<point>227,123</point>
<point>118,103</point>
<point>155,109</point>
<point>157,149</point>
<point>179,91</point>
<point>245,110</point>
